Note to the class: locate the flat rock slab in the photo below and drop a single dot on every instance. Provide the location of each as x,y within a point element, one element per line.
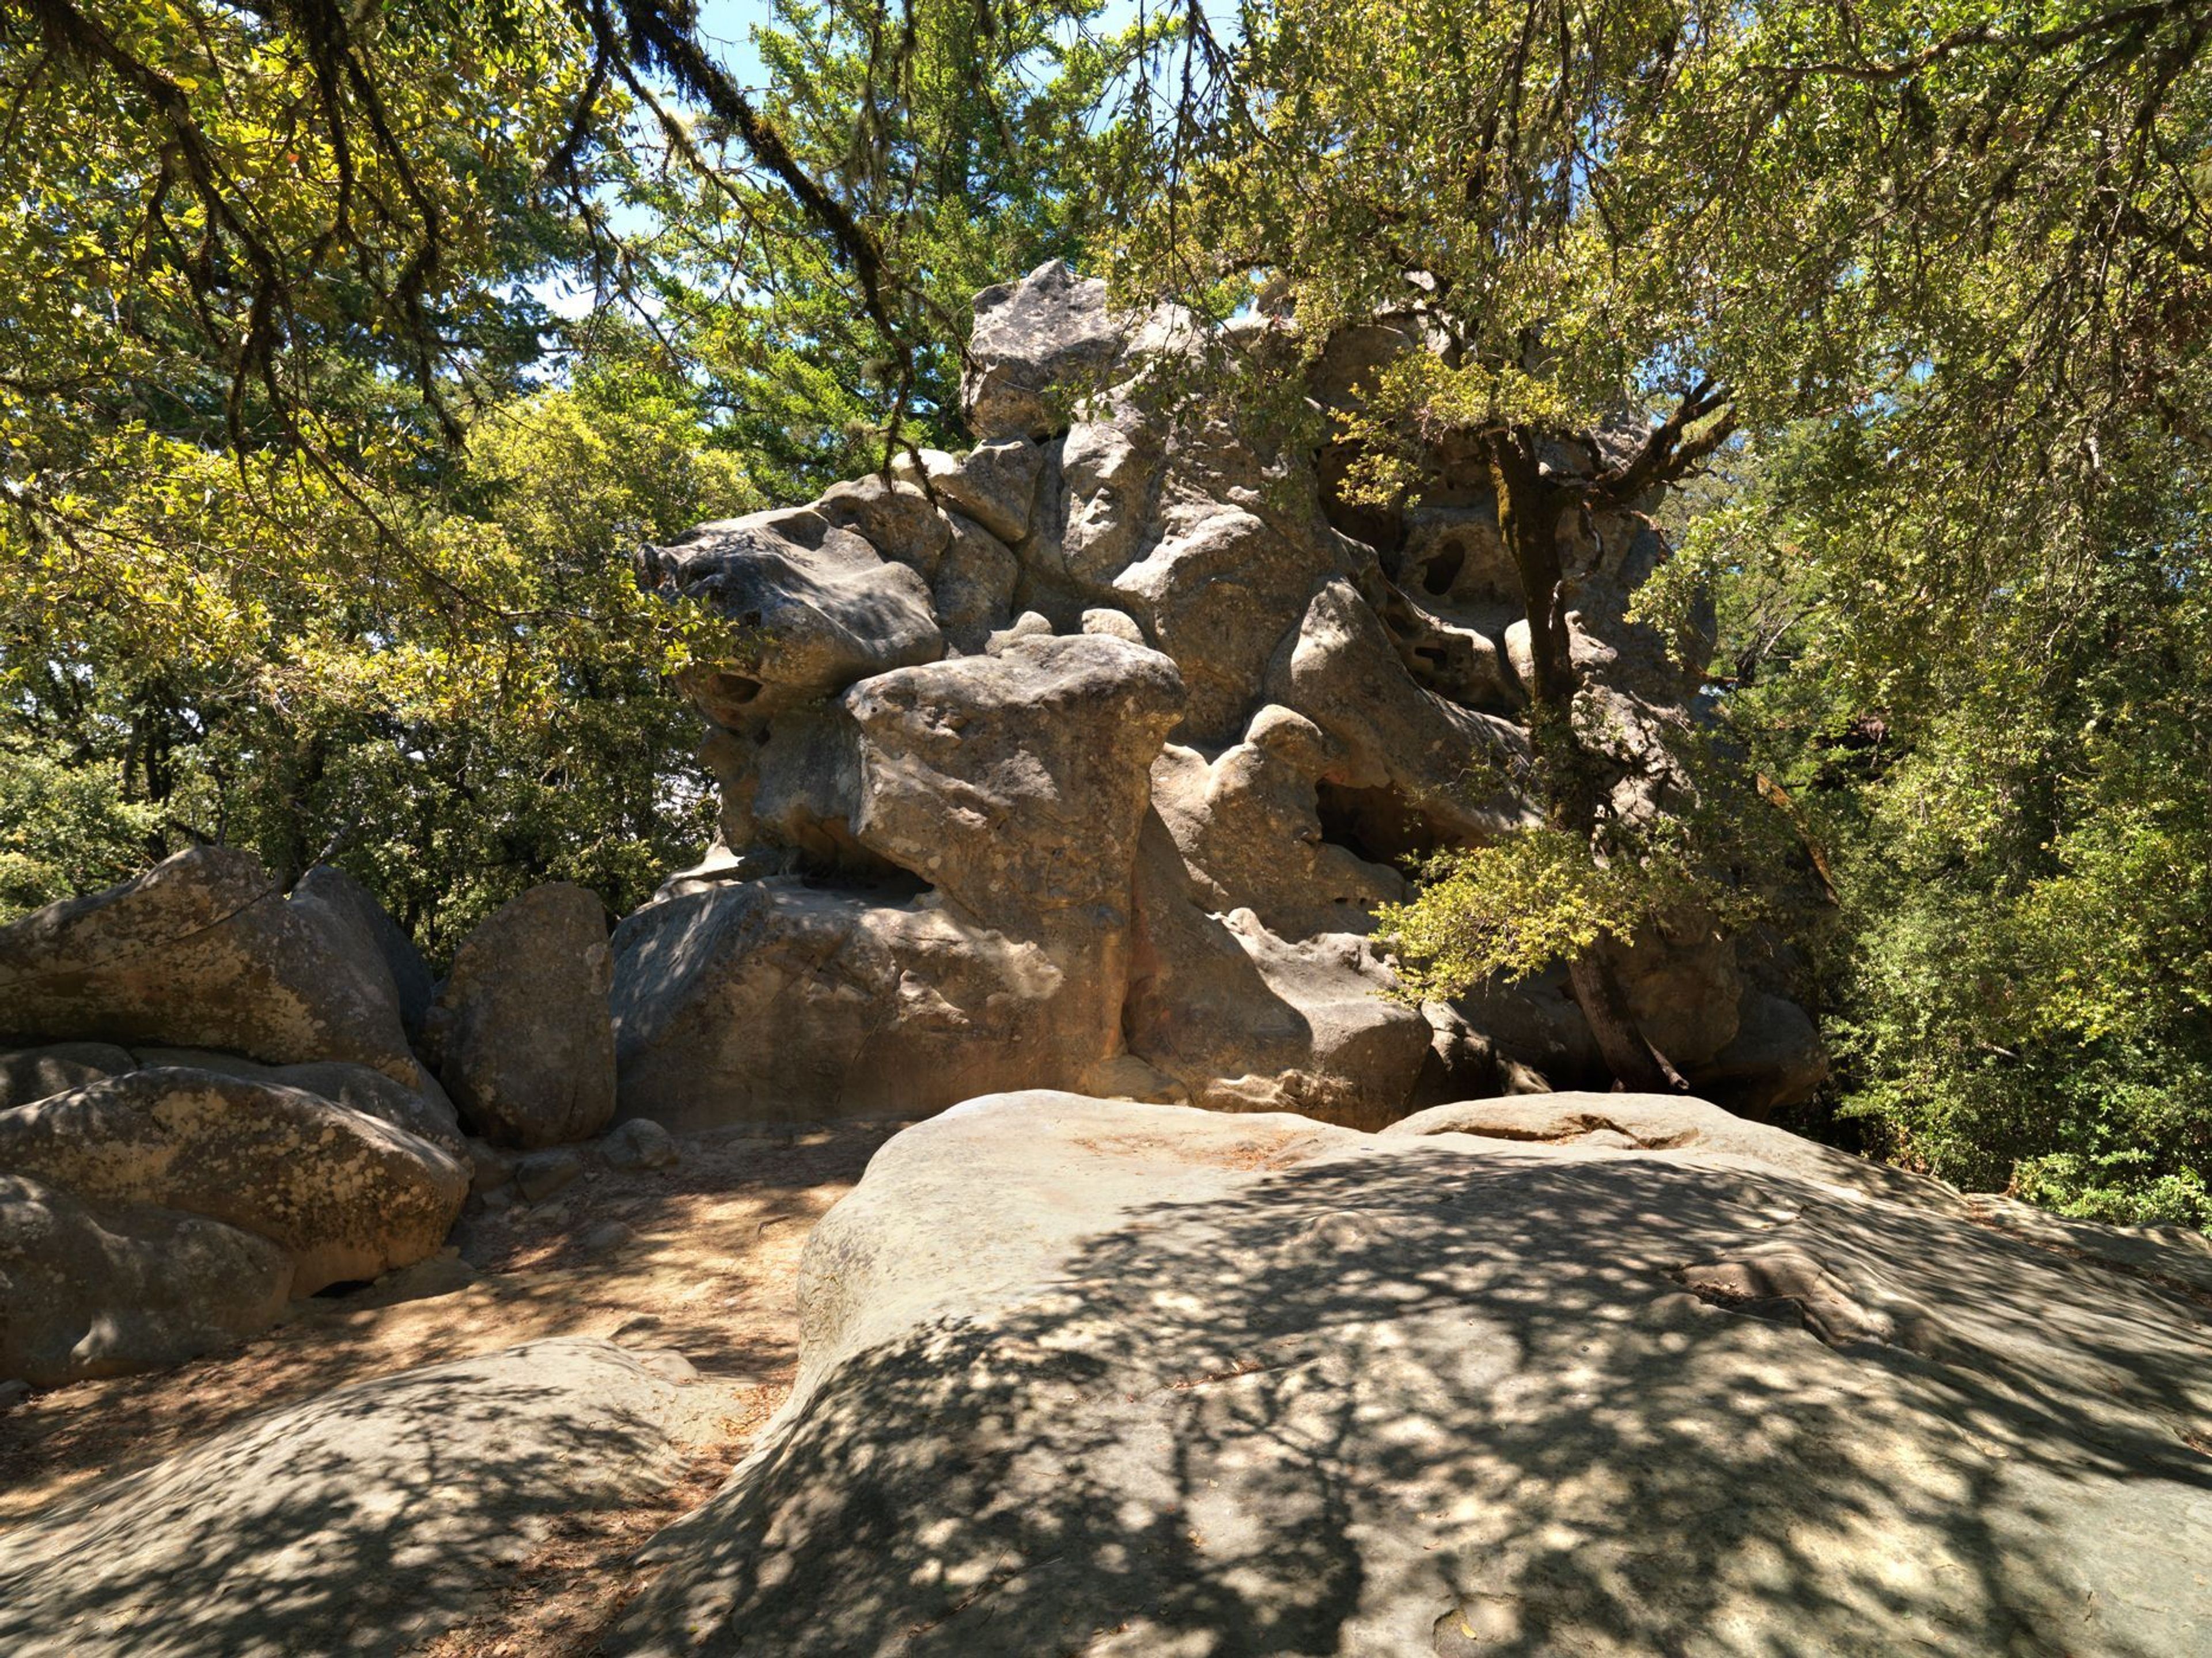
<point>365,1520</point>
<point>1122,1379</point>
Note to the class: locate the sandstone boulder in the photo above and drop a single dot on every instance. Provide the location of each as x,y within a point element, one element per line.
<point>96,1290</point>
<point>1417,770</point>
<point>1014,784</point>
<point>818,605</point>
<point>1248,827</point>
<point>641,1143</point>
<point>203,950</point>
<point>973,589</point>
<point>1037,343</point>
<point>345,1195</point>
<point>1219,597</point>
<point>422,1109</point>
<point>1247,1021</point>
<point>994,483</point>
<point>895,517</point>
<point>415,985</point>
<point>522,1027</point>
<point>1129,1379</point>
<point>1774,1059</point>
<point>983,812</point>
<point>367,1519</point>
<point>776,1000</point>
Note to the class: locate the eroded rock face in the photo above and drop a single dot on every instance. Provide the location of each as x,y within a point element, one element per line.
<point>204,950</point>
<point>268,1134</point>
<point>1014,784</point>
<point>959,693</point>
<point>1639,1379</point>
<point>345,1195</point>
<point>522,1030</point>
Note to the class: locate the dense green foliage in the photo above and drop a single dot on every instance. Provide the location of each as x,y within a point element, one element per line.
<point>320,522</point>
<point>317,520</point>
<point>1946,271</point>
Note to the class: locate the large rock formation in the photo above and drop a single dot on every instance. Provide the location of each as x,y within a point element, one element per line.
<point>345,1195</point>
<point>93,1290</point>
<point>1083,759</point>
<point>1596,1374</point>
<point>268,1134</point>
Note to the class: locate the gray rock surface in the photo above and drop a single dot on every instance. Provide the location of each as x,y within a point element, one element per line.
<point>1015,786</point>
<point>539,1174</point>
<point>368,1519</point>
<point>522,1028</point>
<point>1034,340</point>
<point>31,1074</point>
<point>203,950</point>
<point>1141,1380</point>
<point>96,1290</point>
<point>344,1194</point>
<point>641,1143</point>
<point>915,738</point>
<point>415,985</point>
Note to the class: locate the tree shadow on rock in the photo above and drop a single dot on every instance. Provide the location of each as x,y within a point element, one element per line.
<point>1437,1401</point>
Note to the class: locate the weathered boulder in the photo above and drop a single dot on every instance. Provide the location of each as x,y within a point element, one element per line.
<point>1219,595</point>
<point>422,1109</point>
<point>1247,1021</point>
<point>367,1519</point>
<point>817,606</point>
<point>205,951</point>
<point>1775,1058</point>
<point>90,1290</point>
<point>415,985</point>
<point>1248,826</point>
<point>1135,1379</point>
<point>973,589</point>
<point>1014,786</point>
<point>31,1074</point>
<point>895,517</point>
<point>994,483</point>
<point>522,1028</point>
<point>1034,340</point>
<point>641,1143</point>
<point>345,1195</point>
<point>1416,770</point>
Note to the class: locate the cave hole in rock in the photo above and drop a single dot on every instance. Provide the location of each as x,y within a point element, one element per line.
<point>1379,824</point>
<point>830,859</point>
<point>343,1288</point>
<point>1443,567</point>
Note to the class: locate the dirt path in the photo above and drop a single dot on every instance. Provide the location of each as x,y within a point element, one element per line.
<point>700,1258</point>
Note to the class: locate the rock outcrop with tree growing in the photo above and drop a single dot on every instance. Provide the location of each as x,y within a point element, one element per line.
<point>1086,759</point>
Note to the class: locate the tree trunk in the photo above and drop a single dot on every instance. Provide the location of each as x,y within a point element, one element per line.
<point>1529,509</point>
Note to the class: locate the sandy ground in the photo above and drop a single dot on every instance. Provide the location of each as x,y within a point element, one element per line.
<point>700,1258</point>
